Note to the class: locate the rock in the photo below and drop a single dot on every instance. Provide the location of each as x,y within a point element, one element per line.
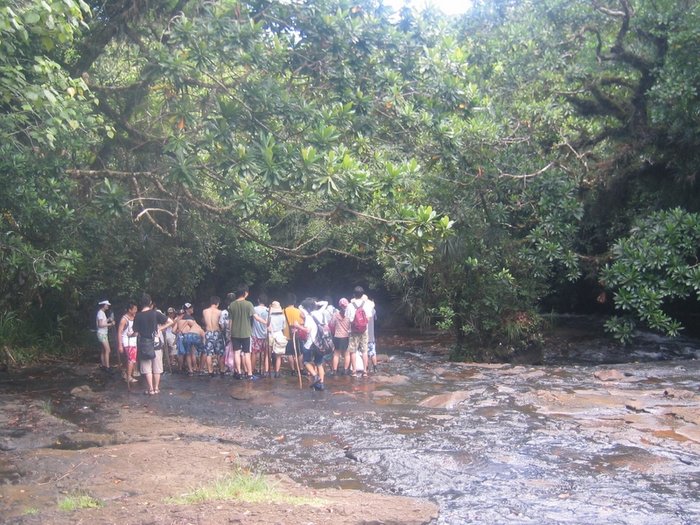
<point>83,392</point>
<point>391,380</point>
<point>245,395</point>
<point>687,414</point>
<point>83,440</point>
<point>382,393</point>
<point>691,432</point>
<point>679,394</point>
<point>609,375</point>
<point>448,401</point>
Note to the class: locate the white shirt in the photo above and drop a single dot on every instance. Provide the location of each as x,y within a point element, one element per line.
<point>310,326</point>
<point>354,304</point>
<point>102,320</point>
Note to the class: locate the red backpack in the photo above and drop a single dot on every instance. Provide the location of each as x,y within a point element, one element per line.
<point>359,322</point>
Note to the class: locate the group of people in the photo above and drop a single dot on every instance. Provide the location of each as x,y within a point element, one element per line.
<point>244,340</point>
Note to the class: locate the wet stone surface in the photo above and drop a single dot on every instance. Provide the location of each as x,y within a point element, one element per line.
<point>554,443</point>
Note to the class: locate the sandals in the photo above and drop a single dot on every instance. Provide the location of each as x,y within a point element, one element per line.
<point>150,392</point>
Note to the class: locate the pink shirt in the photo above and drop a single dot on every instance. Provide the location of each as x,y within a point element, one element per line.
<point>342,325</point>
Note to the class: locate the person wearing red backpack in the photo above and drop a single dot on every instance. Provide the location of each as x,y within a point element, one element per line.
<point>358,313</point>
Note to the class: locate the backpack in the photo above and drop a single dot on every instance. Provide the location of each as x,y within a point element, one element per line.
<point>324,338</point>
<point>278,343</point>
<point>359,322</point>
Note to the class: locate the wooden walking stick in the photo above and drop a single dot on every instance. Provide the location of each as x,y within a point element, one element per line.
<point>296,358</point>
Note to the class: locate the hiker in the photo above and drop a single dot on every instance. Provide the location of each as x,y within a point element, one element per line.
<point>241,314</point>
<point>103,326</point>
<point>213,339</point>
<point>277,342</point>
<point>259,348</point>
<point>312,356</point>
<point>340,326</point>
<point>325,306</point>
<point>293,318</point>
<point>147,325</point>
<point>126,341</point>
<point>358,312</point>
<point>232,360</point>
<point>171,341</point>
<point>190,338</point>
<point>371,340</point>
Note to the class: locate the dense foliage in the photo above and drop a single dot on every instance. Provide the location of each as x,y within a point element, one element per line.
<point>473,166</point>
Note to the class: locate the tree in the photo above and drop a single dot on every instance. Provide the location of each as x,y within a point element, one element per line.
<point>46,121</point>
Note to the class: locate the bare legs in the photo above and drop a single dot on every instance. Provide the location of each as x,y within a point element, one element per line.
<point>104,354</point>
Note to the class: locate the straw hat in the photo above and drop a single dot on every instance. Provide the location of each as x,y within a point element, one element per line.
<point>275,307</point>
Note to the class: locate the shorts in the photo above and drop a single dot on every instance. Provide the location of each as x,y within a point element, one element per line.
<point>213,343</point>
<point>130,353</point>
<point>188,341</point>
<point>241,343</point>
<point>290,347</point>
<point>358,343</point>
<point>341,344</point>
<point>102,338</point>
<point>152,366</point>
<point>312,355</point>
<point>258,345</point>
<point>371,349</point>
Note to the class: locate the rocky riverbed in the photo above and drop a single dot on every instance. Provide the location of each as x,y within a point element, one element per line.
<point>421,441</point>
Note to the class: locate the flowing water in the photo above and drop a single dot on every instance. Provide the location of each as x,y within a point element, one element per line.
<point>500,449</point>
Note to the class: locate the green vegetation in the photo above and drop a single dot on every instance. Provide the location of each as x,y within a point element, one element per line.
<point>79,500</point>
<point>242,486</point>
<point>479,168</point>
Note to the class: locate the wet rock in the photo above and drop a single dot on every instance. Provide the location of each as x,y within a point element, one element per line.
<point>609,375</point>
<point>83,392</point>
<point>687,414</point>
<point>677,394</point>
<point>83,440</point>
<point>448,400</point>
<point>392,379</point>
<point>691,432</point>
<point>245,395</point>
<point>382,393</point>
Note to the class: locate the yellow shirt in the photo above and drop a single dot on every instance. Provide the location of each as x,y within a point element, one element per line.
<point>292,315</point>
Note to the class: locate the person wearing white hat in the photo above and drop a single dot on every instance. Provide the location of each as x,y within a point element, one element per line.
<point>103,325</point>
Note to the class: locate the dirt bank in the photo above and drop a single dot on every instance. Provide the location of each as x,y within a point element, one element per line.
<point>138,461</point>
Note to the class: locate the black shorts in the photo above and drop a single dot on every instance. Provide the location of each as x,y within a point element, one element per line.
<point>290,347</point>
<point>241,343</point>
<point>312,355</point>
<point>341,343</point>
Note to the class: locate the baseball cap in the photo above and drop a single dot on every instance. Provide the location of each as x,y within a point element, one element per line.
<point>105,302</point>
<point>186,306</point>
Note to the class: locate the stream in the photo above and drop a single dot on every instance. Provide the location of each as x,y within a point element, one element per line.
<point>520,444</point>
